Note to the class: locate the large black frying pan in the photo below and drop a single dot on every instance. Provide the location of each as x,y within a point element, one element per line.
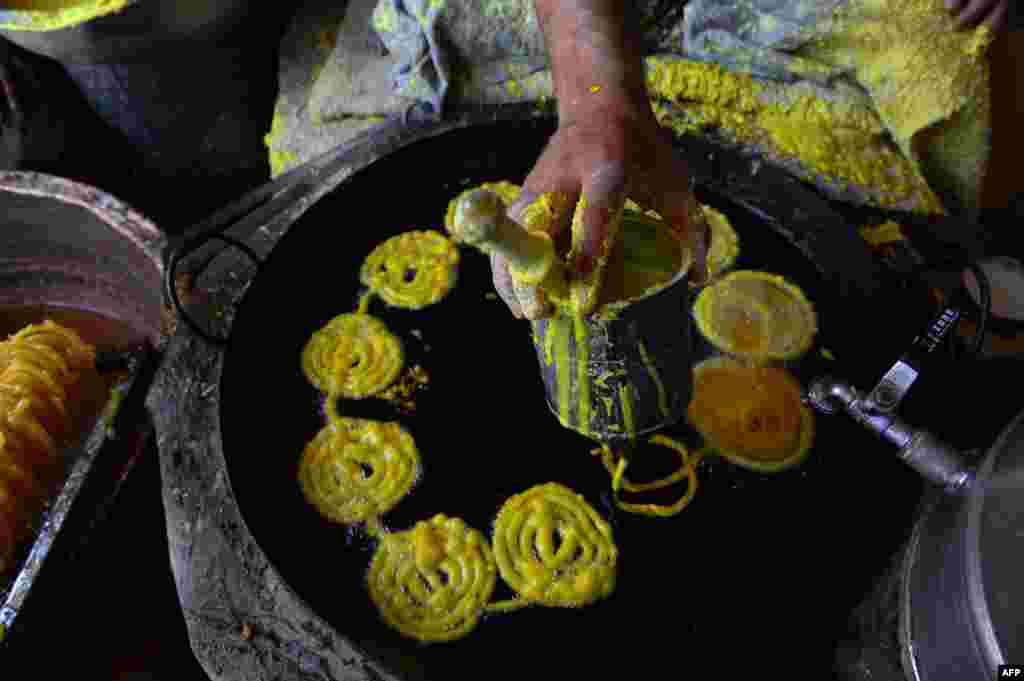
<point>758,573</point>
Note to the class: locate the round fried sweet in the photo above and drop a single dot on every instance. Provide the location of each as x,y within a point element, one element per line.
<point>354,355</point>
<point>432,582</point>
<point>412,270</point>
<point>357,469</point>
<point>553,548</point>
<point>752,416</point>
<point>756,316</point>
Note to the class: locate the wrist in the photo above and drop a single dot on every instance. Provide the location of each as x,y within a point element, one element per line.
<point>596,61</point>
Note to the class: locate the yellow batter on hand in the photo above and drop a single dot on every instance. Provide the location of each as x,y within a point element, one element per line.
<point>354,355</point>
<point>553,548</point>
<point>412,270</point>
<point>508,192</point>
<point>355,469</point>
<point>432,582</point>
<point>752,416</point>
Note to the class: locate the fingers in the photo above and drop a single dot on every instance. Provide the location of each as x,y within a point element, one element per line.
<point>503,284</point>
<point>594,231</point>
<point>550,175</point>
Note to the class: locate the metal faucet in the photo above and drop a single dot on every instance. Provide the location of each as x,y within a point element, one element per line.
<point>935,460</point>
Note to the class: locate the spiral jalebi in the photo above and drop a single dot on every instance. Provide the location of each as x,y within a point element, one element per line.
<point>433,582</point>
<point>355,470</point>
<point>412,270</point>
<point>354,355</point>
<point>43,371</point>
<point>553,548</point>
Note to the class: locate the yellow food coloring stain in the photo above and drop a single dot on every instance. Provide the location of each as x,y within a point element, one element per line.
<point>507,191</point>
<point>280,158</point>
<point>549,347</point>
<point>918,67</point>
<point>560,327</point>
<point>880,235</point>
<point>626,402</point>
<point>544,212</point>
<point>653,373</point>
<point>50,15</point>
<point>836,141</point>
<point>582,377</point>
<point>515,89</point>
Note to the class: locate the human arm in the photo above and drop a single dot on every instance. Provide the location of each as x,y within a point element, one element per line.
<point>608,145</point>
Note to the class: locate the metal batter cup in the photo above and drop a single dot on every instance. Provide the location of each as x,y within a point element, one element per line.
<point>613,378</point>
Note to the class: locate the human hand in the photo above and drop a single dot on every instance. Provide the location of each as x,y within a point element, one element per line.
<point>970,13</point>
<point>603,156</point>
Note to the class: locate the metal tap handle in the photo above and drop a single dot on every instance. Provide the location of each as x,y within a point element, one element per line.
<point>936,461</point>
<point>886,397</point>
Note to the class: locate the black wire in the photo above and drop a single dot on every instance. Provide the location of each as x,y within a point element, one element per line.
<point>180,253</point>
<point>984,304</point>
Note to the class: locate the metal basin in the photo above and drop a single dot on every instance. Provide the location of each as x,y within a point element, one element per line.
<point>74,254</point>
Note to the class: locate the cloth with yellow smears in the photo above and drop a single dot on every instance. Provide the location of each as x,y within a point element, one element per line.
<point>890,83</point>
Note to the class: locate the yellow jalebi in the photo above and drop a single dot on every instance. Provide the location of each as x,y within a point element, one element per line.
<point>412,270</point>
<point>355,470</point>
<point>433,582</point>
<point>44,371</point>
<point>553,548</point>
<point>354,355</point>
<point>752,416</point>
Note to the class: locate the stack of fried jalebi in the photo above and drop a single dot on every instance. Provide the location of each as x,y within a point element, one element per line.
<point>43,369</point>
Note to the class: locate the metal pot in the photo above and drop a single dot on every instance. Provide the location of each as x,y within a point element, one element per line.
<point>73,253</point>
<point>961,572</point>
